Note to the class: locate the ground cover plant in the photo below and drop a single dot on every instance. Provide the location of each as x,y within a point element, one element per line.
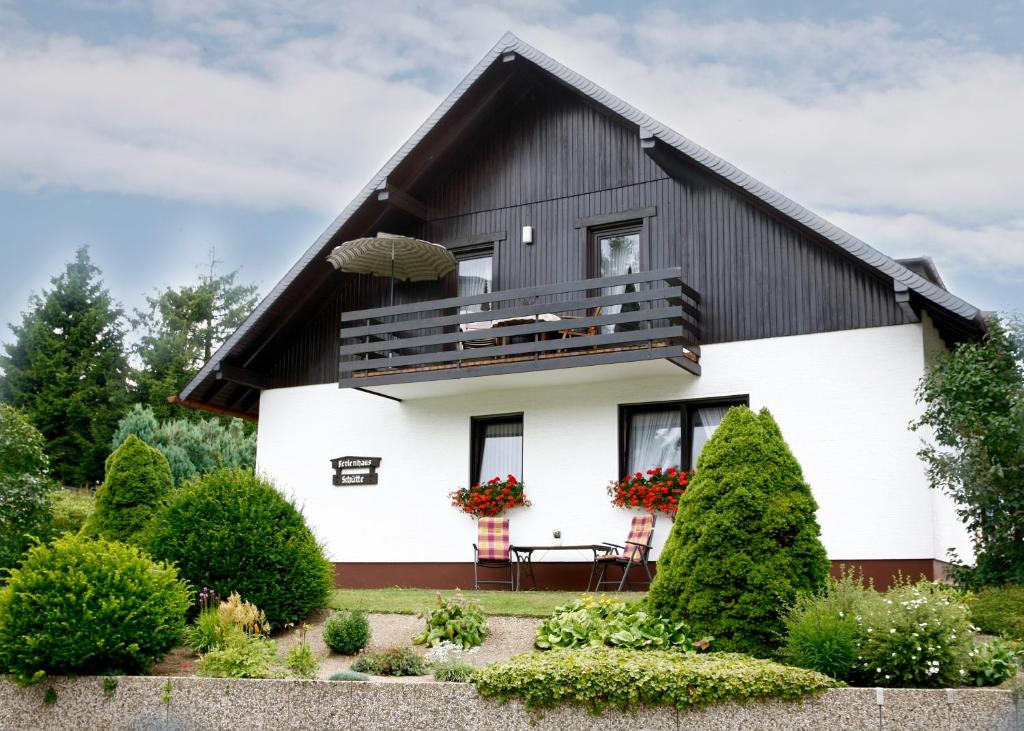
<point>599,677</point>
<point>232,531</point>
<point>301,661</point>
<point>240,655</point>
<point>136,486</point>
<point>349,675</point>
<point>457,620</point>
<point>448,663</point>
<point>588,622</point>
<point>82,606</point>
<point>999,610</point>
<point>347,632</point>
<point>745,541</point>
<point>395,661</point>
<point>72,509</point>
<point>397,600</point>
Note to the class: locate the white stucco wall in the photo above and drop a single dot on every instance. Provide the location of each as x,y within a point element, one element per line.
<point>842,399</point>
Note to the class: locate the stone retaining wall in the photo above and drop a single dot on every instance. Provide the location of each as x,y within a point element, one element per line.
<point>206,703</point>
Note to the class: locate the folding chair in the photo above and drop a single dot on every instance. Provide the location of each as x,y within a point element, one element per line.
<point>635,552</point>
<point>493,551</point>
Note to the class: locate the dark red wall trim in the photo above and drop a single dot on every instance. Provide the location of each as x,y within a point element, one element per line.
<point>573,576</point>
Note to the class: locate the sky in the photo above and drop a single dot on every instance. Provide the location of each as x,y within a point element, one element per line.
<point>153,131</point>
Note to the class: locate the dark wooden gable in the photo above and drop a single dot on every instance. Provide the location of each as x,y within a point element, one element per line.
<point>548,160</point>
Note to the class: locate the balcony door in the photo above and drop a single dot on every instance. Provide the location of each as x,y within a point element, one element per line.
<point>475,274</point>
<point>614,252</point>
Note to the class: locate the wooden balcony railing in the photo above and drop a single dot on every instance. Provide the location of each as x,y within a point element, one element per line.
<point>632,317</point>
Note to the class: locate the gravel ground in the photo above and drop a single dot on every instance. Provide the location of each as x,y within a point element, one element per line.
<point>507,636</point>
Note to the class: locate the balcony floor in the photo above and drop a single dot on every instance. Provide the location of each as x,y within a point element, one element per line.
<point>652,368</point>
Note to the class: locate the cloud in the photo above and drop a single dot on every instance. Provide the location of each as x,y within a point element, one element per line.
<point>911,141</point>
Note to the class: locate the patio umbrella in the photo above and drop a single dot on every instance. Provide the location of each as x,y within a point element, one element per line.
<point>390,255</point>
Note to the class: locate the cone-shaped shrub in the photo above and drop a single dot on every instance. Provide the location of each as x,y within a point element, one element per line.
<point>745,540</point>
<point>136,485</point>
<point>232,531</point>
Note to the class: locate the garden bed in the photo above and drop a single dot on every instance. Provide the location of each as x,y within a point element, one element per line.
<point>208,703</point>
<point>508,636</point>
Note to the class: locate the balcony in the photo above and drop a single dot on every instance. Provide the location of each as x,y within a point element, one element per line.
<point>646,316</point>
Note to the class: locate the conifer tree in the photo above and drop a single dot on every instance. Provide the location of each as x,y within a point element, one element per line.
<point>745,539</point>
<point>66,369</point>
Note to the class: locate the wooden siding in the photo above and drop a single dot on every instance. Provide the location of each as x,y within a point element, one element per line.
<point>555,160</point>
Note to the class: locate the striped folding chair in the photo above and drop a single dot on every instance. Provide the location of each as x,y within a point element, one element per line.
<point>634,553</point>
<point>492,551</point>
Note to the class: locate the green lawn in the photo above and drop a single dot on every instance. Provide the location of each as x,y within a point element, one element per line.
<point>496,603</point>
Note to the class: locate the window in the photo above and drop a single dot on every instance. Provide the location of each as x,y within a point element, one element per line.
<point>615,252</point>
<point>668,434</point>
<point>475,273</point>
<point>496,447</point>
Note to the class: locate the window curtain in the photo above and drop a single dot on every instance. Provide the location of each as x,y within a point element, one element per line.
<point>655,440</point>
<point>475,278</point>
<point>703,423</point>
<point>502,452</point>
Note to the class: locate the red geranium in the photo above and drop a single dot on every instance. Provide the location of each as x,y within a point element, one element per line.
<point>493,497</point>
<point>657,491</point>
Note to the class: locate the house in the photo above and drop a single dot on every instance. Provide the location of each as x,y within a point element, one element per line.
<point>644,286</point>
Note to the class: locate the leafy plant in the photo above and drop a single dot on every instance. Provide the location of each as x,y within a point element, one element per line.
<point>301,660</point>
<point>999,611</point>
<point>234,532</point>
<point>240,656</point>
<point>821,630</point>
<point>491,498</point>
<point>915,635</point>
<point>109,686</point>
<point>391,661</point>
<point>745,541</point>
<point>137,484</point>
<point>81,606</point>
<point>657,491</point>
<point>25,488</point>
<point>974,411</point>
<point>347,632</point>
<point>349,675</point>
<point>996,661</point>
<point>457,620</point>
<point>205,633</point>
<point>599,677</point>
<point>588,622</point>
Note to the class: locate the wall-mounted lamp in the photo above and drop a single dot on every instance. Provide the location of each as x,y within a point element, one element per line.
<point>527,234</point>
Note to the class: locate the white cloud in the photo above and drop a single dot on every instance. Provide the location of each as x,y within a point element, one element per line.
<point>911,142</point>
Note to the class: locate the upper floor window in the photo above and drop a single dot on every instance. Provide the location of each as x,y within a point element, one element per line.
<point>475,273</point>
<point>668,434</point>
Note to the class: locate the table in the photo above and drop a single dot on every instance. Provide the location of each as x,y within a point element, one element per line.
<point>524,557</point>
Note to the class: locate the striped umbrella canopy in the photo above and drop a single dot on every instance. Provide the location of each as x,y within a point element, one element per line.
<point>399,257</point>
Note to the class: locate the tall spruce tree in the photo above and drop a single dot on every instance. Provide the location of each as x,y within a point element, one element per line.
<point>181,328</point>
<point>745,539</point>
<point>66,368</point>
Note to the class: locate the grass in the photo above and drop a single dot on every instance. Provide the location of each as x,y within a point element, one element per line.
<point>494,603</point>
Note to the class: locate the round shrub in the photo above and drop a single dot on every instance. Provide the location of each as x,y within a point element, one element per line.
<point>83,606</point>
<point>745,540</point>
<point>136,484</point>
<point>232,531</point>
<point>347,632</point>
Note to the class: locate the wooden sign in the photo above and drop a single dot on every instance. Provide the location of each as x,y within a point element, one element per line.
<point>355,470</point>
